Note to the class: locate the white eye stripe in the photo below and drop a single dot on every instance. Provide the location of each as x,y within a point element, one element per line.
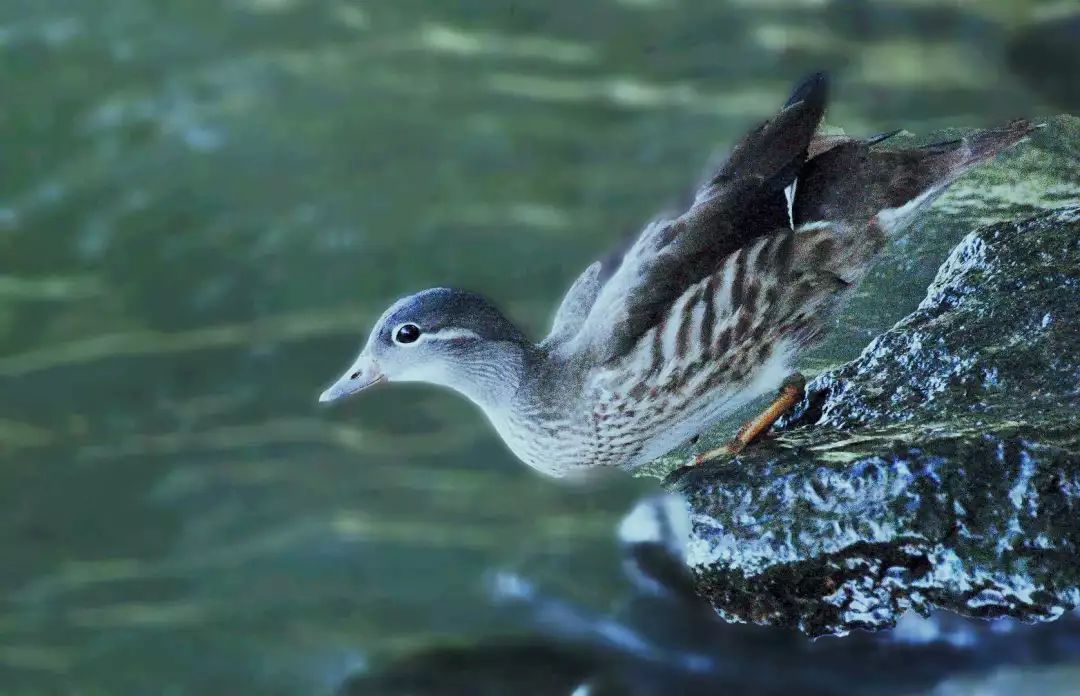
<point>451,333</point>
<point>447,334</point>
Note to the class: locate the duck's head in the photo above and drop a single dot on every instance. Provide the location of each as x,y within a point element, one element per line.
<point>451,338</point>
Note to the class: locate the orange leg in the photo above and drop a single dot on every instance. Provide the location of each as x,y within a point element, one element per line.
<point>790,394</point>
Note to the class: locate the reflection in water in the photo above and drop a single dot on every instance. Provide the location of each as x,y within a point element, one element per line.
<point>203,203</point>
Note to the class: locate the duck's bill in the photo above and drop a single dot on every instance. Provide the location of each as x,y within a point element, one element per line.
<point>363,374</point>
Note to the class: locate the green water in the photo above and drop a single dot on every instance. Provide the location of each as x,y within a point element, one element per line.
<point>203,206</point>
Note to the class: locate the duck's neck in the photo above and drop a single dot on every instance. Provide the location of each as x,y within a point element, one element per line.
<point>494,375</point>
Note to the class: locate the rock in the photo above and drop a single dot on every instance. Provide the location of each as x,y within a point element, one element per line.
<point>941,468</point>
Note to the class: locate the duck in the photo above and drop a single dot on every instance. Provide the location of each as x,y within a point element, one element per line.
<point>698,315</point>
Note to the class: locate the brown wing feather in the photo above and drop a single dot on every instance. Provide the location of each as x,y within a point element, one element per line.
<point>742,201</point>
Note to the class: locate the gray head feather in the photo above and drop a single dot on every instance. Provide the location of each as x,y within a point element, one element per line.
<point>444,308</point>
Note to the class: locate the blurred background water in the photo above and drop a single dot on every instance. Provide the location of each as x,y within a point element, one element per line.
<point>203,206</point>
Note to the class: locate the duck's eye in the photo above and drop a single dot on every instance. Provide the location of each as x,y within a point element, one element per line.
<point>407,333</point>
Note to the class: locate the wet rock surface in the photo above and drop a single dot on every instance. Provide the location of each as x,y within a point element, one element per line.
<point>941,468</point>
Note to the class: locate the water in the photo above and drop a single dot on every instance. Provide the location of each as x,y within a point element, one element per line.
<point>203,206</point>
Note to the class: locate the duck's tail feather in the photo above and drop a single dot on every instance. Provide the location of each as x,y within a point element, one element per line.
<point>854,183</point>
